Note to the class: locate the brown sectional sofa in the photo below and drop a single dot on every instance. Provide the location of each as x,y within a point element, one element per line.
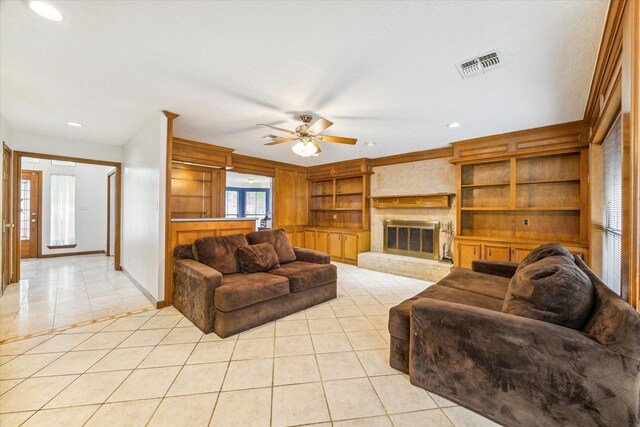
<point>454,339</point>
<point>212,292</point>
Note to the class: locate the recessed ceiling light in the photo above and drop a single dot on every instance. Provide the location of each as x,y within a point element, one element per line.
<point>75,124</point>
<point>369,144</point>
<point>453,125</point>
<point>251,180</point>
<point>45,10</point>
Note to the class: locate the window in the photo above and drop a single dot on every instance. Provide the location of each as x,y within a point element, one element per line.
<point>231,205</point>
<point>255,205</point>
<point>63,163</point>
<point>25,209</point>
<point>63,210</point>
<point>612,208</point>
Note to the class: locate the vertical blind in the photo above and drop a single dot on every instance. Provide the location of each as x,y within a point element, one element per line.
<point>63,210</point>
<point>612,207</point>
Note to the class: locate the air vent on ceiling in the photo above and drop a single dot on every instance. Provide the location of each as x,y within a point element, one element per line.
<point>480,64</point>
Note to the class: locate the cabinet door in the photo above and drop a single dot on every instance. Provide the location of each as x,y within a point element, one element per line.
<point>350,242</point>
<point>322,241</point>
<point>309,239</point>
<point>467,252</point>
<point>495,252</point>
<point>335,245</point>
<point>519,252</point>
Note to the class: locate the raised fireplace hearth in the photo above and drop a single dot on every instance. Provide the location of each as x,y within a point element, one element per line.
<point>418,239</point>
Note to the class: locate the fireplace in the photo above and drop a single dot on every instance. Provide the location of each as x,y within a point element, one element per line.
<point>412,238</point>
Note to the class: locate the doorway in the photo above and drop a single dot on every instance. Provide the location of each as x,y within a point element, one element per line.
<point>30,207</point>
<point>249,196</point>
<point>7,223</point>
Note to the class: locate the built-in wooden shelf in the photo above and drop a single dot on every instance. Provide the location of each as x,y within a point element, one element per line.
<point>494,184</point>
<point>549,181</point>
<point>338,209</point>
<point>527,208</point>
<point>437,200</point>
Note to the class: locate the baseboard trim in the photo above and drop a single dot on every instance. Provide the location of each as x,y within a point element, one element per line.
<point>145,292</point>
<point>71,254</point>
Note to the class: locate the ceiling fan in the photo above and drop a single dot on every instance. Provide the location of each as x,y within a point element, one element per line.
<point>308,136</point>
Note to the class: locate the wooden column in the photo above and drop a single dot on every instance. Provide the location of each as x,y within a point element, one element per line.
<point>168,254</point>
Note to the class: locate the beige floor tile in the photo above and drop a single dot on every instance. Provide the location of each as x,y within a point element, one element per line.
<point>61,342</point>
<point>291,327</point>
<point>299,315</point>
<point>320,312</point>
<point>125,324</point>
<point>14,419</point>
<point>243,374</point>
<point>374,309</point>
<point>370,422</point>
<point>366,340</point>
<point>202,378</point>
<point>441,401</point>
<point>124,414</point>
<point>295,370</point>
<point>6,385</point>
<point>433,417</point>
<point>62,417</point>
<point>379,322</point>
<point>353,398</point>
<point>168,355</point>
<point>398,395</point>
<point>122,359</point>
<point>263,331</point>
<point>26,365</point>
<point>339,366</point>
<point>462,417</point>
<point>324,326</point>
<point>213,337</point>
<point>293,346</point>
<point>243,408</point>
<point>183,335</point>
<point>89,389</point>
<point>360,323</point>
<point>330,343</point>
<point>161,322</point>
<point>184,411</point>
<point>215,351</point>
<point>376,362</point>
<point>75,362</point>
<point>347,311</point>
<point>169,311</point>
<point>254,348</point>
<point>33,393</point>
<point>184,323</point>
<point>92,327</point>
<point>145,384</point>
<point>310,405</point>
<point>22,346</point>
<point>144,338</point>
<point>104,340</point>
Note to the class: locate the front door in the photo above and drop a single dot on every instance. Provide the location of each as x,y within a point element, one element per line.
<point>7,224</point>
<point>30,189</point>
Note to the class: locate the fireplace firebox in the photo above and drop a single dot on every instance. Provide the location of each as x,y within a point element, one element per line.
<point>412,238</point>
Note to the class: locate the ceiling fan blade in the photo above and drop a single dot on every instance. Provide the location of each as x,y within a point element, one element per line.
<point>338,139</point>
<point>319,126</point>
<point>278,129</point>
<point>281,141</point>
<point>315,143</point>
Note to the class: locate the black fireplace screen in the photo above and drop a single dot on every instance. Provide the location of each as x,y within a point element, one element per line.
<point>413,238</point>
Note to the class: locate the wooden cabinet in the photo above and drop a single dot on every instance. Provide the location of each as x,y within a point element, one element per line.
<point>342,245</point>
<point>322,241</point>
<point>197,192</point>
<point>310,239</point>
<point>350,247</point>
<point>496,252</point>
<point>519,252</point>
<point>466,253</point>
<point>335,244</point>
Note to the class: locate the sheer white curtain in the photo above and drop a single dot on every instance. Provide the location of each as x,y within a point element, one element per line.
<point>63,210</point>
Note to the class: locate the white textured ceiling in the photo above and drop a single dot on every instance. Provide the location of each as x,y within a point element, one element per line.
<point>382,71</point>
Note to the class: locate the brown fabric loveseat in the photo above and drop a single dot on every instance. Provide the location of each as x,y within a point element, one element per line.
<point>211,290</point>
<point>455,339</point>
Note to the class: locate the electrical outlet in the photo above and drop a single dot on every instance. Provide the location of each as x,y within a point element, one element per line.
<point>525,222</point>
<point>84,207</point>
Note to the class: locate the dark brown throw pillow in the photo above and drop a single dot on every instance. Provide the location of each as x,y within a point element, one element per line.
<point>278,238</point>
<point>543,251</point>
<point>553,290</point>
<point>219,252</point>
<point>257,258</point>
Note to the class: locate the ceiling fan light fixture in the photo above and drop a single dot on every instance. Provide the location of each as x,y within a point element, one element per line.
<point>304,148</point>
<point>45,10</point>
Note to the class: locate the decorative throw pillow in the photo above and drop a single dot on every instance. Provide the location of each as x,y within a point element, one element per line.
<point>543,251</point>
<point>257,258</point>
<point>553,290</point>
<point>219,252</point>
<point>278,238</point>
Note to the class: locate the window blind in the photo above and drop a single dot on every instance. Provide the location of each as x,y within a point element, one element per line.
<point>63,210</point>
<point>612,207</point>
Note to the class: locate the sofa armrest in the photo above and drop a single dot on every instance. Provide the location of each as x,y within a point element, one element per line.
<point>194,285</point>
<point>504,365</point>
<point>309,255</point>
<point>495,268</point>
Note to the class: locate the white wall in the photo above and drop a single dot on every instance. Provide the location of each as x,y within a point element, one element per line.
<point>143,192</point>
<point>21,141</point>
<point>91,204</point>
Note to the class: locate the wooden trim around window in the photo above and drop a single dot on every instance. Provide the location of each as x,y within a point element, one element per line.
<point>61,246</point>
<point>72,254</point>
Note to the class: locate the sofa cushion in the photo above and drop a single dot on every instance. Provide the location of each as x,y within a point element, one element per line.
<point>543,251</point>
<point>399,316</point>
<point>479,283</point>
<point>553,290</point>
<point>305,275</point>
<point>257,258</point>
<point>219,252</point>
<point>242,290</point>
<point>278,238</point>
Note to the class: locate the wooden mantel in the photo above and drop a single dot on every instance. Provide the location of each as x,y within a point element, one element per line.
<point>436,200</point>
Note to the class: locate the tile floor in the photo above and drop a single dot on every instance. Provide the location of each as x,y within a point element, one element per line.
<point>326,366</point>
<point>56,292</point>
